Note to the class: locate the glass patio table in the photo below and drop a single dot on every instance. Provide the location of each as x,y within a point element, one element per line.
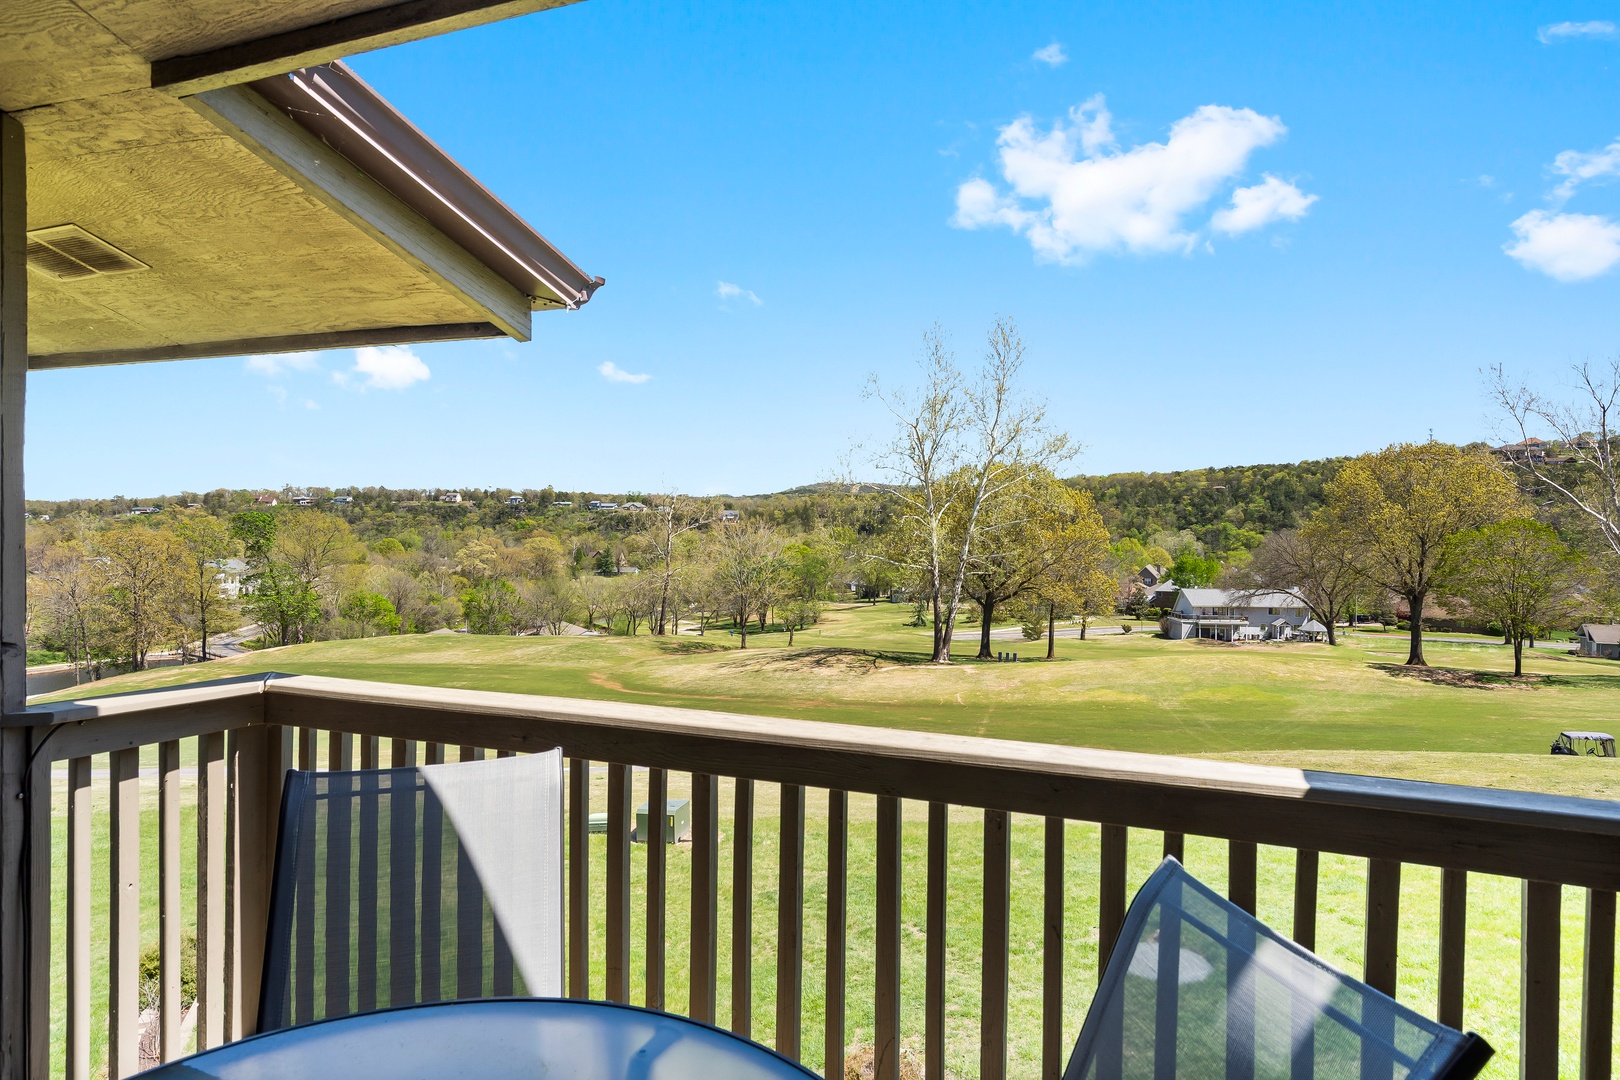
<point>503,1037</point>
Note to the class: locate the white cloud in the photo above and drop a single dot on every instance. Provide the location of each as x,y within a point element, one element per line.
<point>1566,30</point>
<point>725,290</point>
<point>1258,206</point>
<point>613,373</point>
<point>1075,193</point>
<point>1568,247</point>
<point>1051,55</point>
<point>1577,168</point>
<point>276,364</point>
<point>389,367</point>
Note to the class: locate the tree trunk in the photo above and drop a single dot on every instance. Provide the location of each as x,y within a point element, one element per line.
<point>1414,604</point>
<point>790,637</point>
<point>1051,631</point>
<point>1328,622</point>
<point>1084,622</point>
<point>986,610</point>
<point>1518,656</point>
<point>942,646</point>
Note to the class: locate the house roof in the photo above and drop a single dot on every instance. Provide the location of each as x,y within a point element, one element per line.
<point>1602,633</point>
<point>1233,598</point>
<point>1311,626</point>
<point>269,199</point>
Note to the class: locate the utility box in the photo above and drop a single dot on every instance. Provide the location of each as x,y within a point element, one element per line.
<point>677,822</point>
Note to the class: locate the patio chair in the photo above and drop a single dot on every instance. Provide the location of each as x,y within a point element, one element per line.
<point>1197,987</point>
<point>399,886</point>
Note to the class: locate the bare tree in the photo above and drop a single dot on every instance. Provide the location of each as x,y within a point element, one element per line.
<point>746,566</point>
<point>1318,564</point>
<point>1584,431</point>
<point>959,446</point>
<point>669,520</point>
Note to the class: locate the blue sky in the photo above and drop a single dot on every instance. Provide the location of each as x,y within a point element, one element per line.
<point>1229,234</point>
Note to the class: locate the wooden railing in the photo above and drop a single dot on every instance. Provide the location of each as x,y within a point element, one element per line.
<point>247,733</point>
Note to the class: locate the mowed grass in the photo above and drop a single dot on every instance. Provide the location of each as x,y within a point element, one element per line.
<point>1306,706</point>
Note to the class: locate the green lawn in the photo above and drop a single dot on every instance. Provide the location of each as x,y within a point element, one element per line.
<point>1347,708</point>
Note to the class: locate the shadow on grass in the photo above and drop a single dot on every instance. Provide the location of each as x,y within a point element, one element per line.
<point>688,647</point>
<point>1495,680</point>
<point>824,658</point>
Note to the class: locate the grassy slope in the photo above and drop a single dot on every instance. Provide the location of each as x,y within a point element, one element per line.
<point>1304,706</point>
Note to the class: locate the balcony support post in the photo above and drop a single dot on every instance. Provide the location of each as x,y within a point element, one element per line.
<point>24,967</point>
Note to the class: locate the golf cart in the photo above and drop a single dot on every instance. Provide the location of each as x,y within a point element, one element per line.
<point>1583,743</point>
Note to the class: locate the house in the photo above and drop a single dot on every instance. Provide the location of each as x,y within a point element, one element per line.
<point>514,500</point>
<point>598,504</point>
<point>1228,615</point>
<point>266,500</point>
<point>450,497</point>
<point>230,575</point>
<point>1162,595</point>
<point>137,511</point>
<point>563,502</point>
<point>730,515</point>
<point>303,500</point>
<point>1599,639</point>
<point>1151,575</point>
<point>634,507</point>
<point>341,500</point>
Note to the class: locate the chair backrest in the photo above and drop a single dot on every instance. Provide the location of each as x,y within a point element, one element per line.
<point>397,886</point>
<point>1197,987</point>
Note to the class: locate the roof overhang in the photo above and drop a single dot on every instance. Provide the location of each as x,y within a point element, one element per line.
<point>298,212</point>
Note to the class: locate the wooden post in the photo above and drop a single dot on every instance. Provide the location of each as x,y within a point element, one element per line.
<point>124,914</point>
<point>262,757</point>
<point>211,890</point>
<point>886,1010</point>
<point>997,942</point>
<point>169,914</point>
<point>620,819</point>
<point>1597,996</point>
<point>702,970</point>
<point>657,852</point>
<point>579,878</point>
<point>790,923</point>
<point>837,928</point>
<point>939,824</point>
<point>24,1037</point>
<point>1538,980</point>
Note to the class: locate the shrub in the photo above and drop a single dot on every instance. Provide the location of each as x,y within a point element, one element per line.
<point>151,973</point>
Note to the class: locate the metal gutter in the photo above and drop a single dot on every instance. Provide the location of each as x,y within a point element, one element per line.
<point>332,103</point>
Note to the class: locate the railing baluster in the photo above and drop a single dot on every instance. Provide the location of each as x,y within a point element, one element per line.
<point>433,753</point>
<point>367,859</point>
<point>369,748</point>
<point>1597,996</point>
<point>169,917</point>
<point>579,877</point>
<point>837,928</point>
<point>403,940</point>
<point>339,751</point>
<point>470,753</point>
<point>306,749</point>
<point>78,919</point>
<point>1111,897</point>
<point>618,884</point>
<point>1242,874</point>
<point>657,812</point>
<point>742,910</point>
<point>1307,865</point>
<point>997,944</point>
<point>210,890</point>
<point>1538,980</point>
<point>939,827</point>
<point>1453,942</point>
<point>705,945</point>
<point>790,923</point>
<point>1054,1033</point>
<point>1175,846</point>
<point>1383,924</point>
<point>124,913</point>
<point>886,1011</point>
<point>402,753</point>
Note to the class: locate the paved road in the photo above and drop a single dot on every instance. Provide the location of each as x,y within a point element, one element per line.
<point>1013,633</point>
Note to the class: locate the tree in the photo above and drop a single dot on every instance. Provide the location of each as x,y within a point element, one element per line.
<point>71,600</point>
<point>1191,570</point>
<point>141,580</point>
<point>746,563</point>
<point>204,544</point>
<point>1518,573</point>
<point>1321,564</point>
<point>367,610</point>
<point>958,448</point>
<point>1401,505</point>
<point>663,527</point>
<point>1041,532</point>
<point>491,607</point>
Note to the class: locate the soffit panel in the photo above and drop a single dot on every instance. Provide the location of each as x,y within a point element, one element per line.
<point>50,50</point>
<point>236,250</point>
<point>158,29</point>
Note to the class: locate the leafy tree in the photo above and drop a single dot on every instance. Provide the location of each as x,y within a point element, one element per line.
<point>1401,506</point>
<point>204,543</point>
<point>1518,573</point>
<point>491,607</point>
<point>68,589</point>
<point>367,610</point>
<point>1191,570</point>
<point>141,580</point>
<point>282,603</point>
<point>1321,564</point>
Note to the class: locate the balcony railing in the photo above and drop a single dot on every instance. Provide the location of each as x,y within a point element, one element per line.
<point>248,732</point>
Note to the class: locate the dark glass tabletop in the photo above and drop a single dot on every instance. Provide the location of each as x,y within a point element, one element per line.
<point>509,1037</point>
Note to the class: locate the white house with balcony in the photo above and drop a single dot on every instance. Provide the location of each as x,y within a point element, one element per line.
<point>1230,615</point>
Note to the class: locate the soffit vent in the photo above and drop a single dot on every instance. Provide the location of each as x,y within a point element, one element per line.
<point>66,252</point>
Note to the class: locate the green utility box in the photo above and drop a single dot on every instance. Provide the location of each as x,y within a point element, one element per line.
<point>677,822</point>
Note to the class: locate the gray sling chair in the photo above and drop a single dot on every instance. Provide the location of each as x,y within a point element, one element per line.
<point>399,886</point>
<point>1197,987</point>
